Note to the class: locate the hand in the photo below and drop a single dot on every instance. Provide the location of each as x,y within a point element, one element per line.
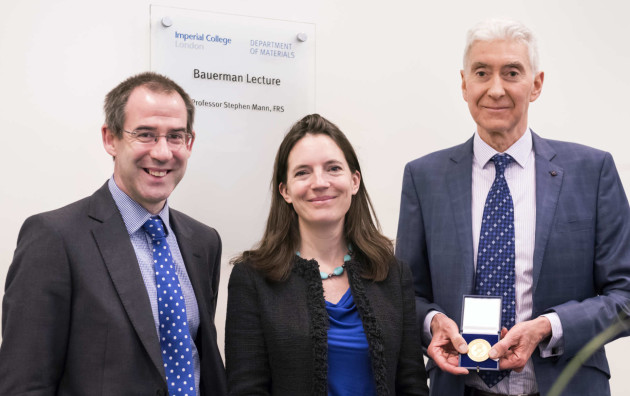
<point>446,345</point>
<point>518,344</point>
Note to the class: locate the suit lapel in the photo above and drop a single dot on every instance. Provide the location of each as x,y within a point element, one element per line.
<point>192,255</point>
<point>460,193</point>
<point>548,182</point>
<point>120,259</point>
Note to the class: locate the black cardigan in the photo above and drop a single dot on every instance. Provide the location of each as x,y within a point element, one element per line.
<point>276,332</point>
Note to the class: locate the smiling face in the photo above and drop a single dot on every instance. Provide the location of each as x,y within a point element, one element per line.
<point>498,85</point>
<point>320,184</point>
<point>148,173</point>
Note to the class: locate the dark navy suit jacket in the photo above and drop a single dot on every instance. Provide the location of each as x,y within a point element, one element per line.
<point>581,266</point>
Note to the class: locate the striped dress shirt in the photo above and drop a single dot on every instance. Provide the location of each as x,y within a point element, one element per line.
<point>521,179</point>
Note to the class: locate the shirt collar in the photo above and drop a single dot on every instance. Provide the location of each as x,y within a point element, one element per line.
<point>133,214</point>
<point>520,150</point>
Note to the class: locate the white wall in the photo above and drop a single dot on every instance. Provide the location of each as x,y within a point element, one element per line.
<point>387,74</point>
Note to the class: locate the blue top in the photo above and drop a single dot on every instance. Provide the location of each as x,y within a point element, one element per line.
<point>349,363</point>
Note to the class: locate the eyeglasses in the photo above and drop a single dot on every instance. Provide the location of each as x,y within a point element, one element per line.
<point>175,140</point>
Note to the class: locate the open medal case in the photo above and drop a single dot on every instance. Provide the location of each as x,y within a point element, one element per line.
<point>481,321</point>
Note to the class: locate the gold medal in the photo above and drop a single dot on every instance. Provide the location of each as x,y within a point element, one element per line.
<point>478,350</point>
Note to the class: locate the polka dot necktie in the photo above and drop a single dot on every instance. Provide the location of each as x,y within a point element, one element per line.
<point>495,257</point>
<point>175,340</point>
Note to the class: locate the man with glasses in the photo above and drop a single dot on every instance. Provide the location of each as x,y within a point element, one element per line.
<point>116,293</point>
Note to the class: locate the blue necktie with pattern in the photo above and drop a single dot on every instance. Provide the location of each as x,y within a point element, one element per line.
<point>175,340</point>
<point>495,258</point>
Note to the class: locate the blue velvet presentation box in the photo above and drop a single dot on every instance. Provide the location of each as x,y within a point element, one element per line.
<point>481,320</point>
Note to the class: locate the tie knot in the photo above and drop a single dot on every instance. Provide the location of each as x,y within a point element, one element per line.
<point>155,228</point>
<point>501,161</point>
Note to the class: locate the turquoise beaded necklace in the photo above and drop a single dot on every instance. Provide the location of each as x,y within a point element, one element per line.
<point>338,270</point>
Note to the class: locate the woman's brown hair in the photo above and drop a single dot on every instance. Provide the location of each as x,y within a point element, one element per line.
<point>274,254</point>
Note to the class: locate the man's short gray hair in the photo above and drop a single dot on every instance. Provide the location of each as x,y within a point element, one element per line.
<point>503,29</point>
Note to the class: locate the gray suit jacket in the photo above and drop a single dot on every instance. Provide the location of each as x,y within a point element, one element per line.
<point>76,316</point>
<point>581,266</point>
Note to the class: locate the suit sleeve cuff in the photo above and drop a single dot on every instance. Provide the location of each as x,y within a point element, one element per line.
<point>427,324</point>
<point>553,346</point>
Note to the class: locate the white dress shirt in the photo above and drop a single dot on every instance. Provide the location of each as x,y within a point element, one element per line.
<point>521,179</point>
